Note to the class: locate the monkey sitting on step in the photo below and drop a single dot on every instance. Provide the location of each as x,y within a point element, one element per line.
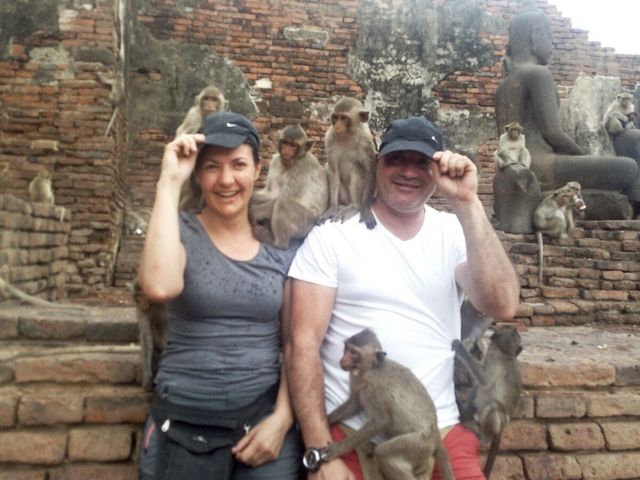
<point>296,192</point>
<point>40,188</point>
<point>498,385</point>
<point>554,216</point>
<point>616,118</point>
<point>351,163</point>
<point>152,327</point>
<point>397,406</point>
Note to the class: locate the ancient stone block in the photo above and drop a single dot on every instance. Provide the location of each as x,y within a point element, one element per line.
<point>576,436</point>
<point>100,444</point>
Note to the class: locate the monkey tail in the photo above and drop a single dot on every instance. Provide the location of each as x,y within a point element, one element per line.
<point>25,297</point>
<point>540,256</point>
<point>446,471</point>
<point>491,456</point>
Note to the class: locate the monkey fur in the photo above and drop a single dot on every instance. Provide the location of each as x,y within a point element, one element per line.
<point>296,192</point>
<point>209,100</point>
<point>116,97</point>
<point>511,148</point>
<point>135,222</point>
<point>152,327</point>
<point>616,118</point>
<point>40,188</point>
<point>397,406</point>
<point>351,163</point>
<point>554,216</point>
<point>497,386</point>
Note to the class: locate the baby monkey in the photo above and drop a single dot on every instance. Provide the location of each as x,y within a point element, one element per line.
<point>554,216</point>
<point>497,389</point>
<point>397,406</point>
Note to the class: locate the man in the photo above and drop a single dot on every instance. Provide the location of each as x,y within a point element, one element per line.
<point>405,280</point>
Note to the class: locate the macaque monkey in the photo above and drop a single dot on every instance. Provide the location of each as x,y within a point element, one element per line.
<point>554,216</point>
<point>498,385</point>
<point>116,97</point>
<point>209,100</point>
<point>351,162</point>
<point>152,326</point>
<point>296,192</point>
<point>511,147</point>
<point>7,290</point>
<point>616,117</point>
<point>135,222</point>
<point>397,406</point>
<point>40,189</point>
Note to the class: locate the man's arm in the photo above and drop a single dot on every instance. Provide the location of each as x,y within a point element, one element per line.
<point>311,307</point>
<point>488,277</point>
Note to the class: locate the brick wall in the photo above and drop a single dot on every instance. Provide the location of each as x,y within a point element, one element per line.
<point>34,250</point>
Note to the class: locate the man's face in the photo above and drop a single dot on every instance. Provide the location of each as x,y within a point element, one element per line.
<point>405,181</point>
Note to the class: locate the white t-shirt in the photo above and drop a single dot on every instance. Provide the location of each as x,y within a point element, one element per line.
<point>405,291</point>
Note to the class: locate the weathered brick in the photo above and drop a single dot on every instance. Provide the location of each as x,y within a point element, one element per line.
<point>552,467</point>
<point>607,466</point>
<point>18,473</point>
<point>49,410</point>
<point>611,405</point>
<point>100,444</point>
<point>95,472</point>
<point>93,368</point>
<point>116,409</point>
<point>8,407</point>
<point>51,328</point>
<point>507,467</point>
<point>46,448</point>
<point>621,435</point>
<point>576,436</point>
<point>575,374</point>
<point>560,404</point>
<point>524,435</point>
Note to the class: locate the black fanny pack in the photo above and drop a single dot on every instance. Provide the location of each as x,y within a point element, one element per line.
<point>194,444</point>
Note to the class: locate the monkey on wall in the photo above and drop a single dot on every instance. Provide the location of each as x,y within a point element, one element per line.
<point>296,192</point>
<point>554,216</point>
<point>209,100</point>
<point>397,406</point>
<point>152,328</point>
<point>511,147</point>
<point>40,188</point>
<point>351,157</point>
<point>116,97</point>
<point>497,389</point>
<point>616,118</point>
<point>135,222</point>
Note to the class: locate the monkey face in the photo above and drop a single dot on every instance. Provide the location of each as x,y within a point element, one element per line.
<point>341,122</point>
<point>288,151</point>
<point>405,181</point>
<point>209,104</point>
<point>513,133</point>
<point>227,177</point>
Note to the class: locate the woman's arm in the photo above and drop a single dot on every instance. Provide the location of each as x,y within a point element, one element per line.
<point>264,442</point>
<point>163,257</point>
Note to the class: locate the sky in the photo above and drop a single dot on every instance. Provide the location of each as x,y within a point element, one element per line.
<point>613,23</point>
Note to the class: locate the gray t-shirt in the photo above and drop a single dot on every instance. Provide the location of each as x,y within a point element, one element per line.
<point>223,340</point>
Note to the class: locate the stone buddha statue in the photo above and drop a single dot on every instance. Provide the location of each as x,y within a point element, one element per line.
<point>528,95</point>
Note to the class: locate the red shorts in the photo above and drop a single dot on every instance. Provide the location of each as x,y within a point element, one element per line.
<point>462,446</point>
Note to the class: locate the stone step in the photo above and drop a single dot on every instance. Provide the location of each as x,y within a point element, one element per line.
<point>58,363</point>
<point>75,324</point>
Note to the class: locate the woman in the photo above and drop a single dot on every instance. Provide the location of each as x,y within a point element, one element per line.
<point>221,407</point>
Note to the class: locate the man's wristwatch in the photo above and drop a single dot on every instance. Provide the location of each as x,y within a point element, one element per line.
<point>313,458</point>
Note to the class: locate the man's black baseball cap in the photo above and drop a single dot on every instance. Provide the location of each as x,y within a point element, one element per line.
<point>228,129</point>
<point>413,133</point>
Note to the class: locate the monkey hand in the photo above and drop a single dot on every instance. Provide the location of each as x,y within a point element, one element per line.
<point>262,444</point>
<point>456,177</point>
<point>179,158</point>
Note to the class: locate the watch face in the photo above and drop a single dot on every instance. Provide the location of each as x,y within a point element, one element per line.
<point>311,459</point>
